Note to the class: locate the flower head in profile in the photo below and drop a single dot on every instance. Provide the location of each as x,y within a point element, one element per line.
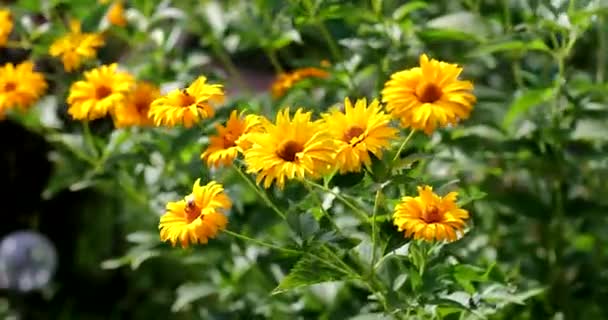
<point>430,217</point>
<point>429,96</point>
<point>197,217</point>
<point>6,26</point>
<point>103,89</point>
<point>290,149</point>
<point>134,112</point>
<point>76,46</point>
<point>187,106</point>
<point>20,86</point>
<point>230,139</point>
<point>359,130</point>
<point>286,81</point>
<point>116,14</point>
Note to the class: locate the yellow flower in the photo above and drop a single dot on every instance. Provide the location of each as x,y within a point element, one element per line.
<point>6,26</point>
<point>230,140</point>
<point>430,217</point>
<point>290,149</point>
<point>196,218</point>
<point>187,106</point>
<point>135,111</point>
<point>116,14</point>
<point>359,130</point>
<point>76,46</point>
<point>103,89</point>
<point>286,81</point>
<point>429,96</point>
<point>20,86</point>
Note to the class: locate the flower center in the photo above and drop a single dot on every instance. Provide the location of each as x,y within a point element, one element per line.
<point>229,140</point>
<point>428,92</point>
<point>102,92</point>
<point>352,132</point>
<point>186,99</point>
<point>10,86</point>
<point>192,210</point>
<point>288,150</point>
<point>142,107</point>
<point>432,214</point>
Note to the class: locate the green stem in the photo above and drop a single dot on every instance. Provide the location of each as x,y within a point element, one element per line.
<point>221,53</point>
<point>601,52</point>
<point>260,193</point>
<point>88,137</point>
<point>261,243</point>
<point>333,47</point>
<point>272,56</point>
<point>407,139</point>
<point>374,212</point>
<point>362,214</point>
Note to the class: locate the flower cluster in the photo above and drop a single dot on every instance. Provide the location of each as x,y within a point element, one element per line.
<point>295,146</point>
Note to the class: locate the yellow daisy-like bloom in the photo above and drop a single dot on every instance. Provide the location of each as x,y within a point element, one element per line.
<point>286,81</point>
<point>187,106</point>
<point>231,139</point>
<point>290,149</point>
<point>76,46</point>
<point>429,96</point>
<point>359,130</point>
<point>103,89</point>
<point>116,14</point>
<point>20,86</point>
<point>6,26</point>
<point>196,218</point>
<point>135,111</point>
<point>430,217</point>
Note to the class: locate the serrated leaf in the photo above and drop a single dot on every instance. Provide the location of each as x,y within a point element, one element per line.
<point>314,267</point>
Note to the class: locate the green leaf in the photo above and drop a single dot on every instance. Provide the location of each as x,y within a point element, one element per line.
<point>513,45</point>
<point>314,267</point>
<point>458,25</point>
<point>525,102</point>
<point>408,8</point>
<point>190,292</point>
<point>466,274</point>
<point>590,130</point>
<point>304,225</point>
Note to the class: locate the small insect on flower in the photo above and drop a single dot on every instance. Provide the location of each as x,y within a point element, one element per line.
<point>187,106</point>
<point>359,130</point>
<point>231,139</point>
<point>429,96</point>
<point>20,86</point>
<point>6,26</point>
<point>103,89</point>
<point>76,46</point>
<point>290,149</point>
<point>196,218</point>
<point>430,217</point>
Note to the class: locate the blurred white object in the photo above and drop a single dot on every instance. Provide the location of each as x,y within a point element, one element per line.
<point>27,261</point>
